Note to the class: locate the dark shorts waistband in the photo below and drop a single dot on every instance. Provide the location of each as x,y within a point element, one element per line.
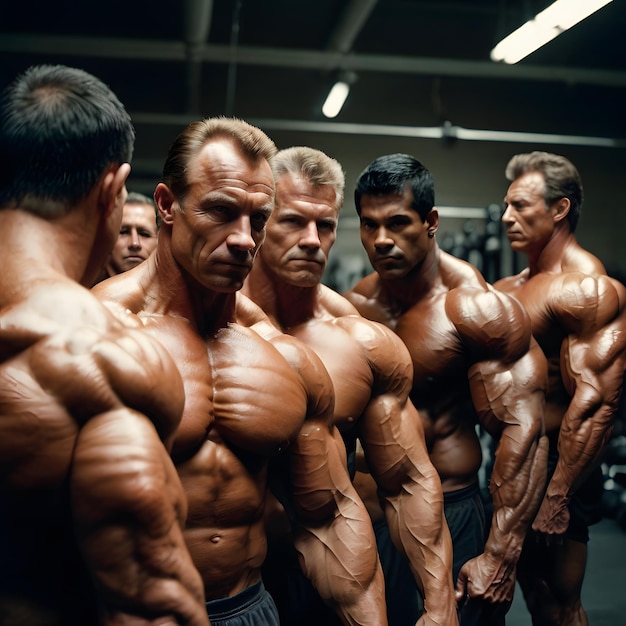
<point>225,607</point>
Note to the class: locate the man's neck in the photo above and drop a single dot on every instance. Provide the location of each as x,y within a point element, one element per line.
<point>36,247</point>
<point>400,294</point>
<point>286,305</point>
<point>550,258</point>
<point>169,290</point>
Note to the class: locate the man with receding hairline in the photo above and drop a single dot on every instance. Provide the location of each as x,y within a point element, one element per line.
<point>578,316</point>
<point>137,237</point>
<point>252,394</point>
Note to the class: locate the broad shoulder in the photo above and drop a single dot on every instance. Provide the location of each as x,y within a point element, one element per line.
<point>335,303</point>
<point>575,299</point>
<point>121,293</point>
<point>455,272</point>
<point>387,355</point>
<point>490,322</point>
<point>90,361</point>
<point>367,287</point>
<point>365,297</point>
<point>584,301</point>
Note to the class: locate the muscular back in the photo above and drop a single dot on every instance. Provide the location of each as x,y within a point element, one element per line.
<point>75,390</point>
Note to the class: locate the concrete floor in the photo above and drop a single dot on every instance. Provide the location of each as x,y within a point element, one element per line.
<point>604,589</point>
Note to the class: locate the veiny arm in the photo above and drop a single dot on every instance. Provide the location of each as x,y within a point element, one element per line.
<point>127,502</point>
<point>334,534</point>
<point>392,436</point>
<point>508,382</point>
<point>593,359</point>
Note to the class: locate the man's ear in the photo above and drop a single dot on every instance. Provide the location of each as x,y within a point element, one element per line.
<point>560,209</point>
<point>164,200</point>
<point>432,220</point>
<point>113,189</point>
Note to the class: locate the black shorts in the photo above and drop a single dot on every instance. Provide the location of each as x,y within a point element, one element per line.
<point>252,607</point>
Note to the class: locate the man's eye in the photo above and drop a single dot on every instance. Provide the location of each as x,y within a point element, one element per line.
<point>258,222</point>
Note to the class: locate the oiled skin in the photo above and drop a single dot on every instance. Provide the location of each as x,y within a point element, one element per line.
<point>578,316</point>
<point>247,398</point>
<point>371,375</point>
<point>475,362</point>
<point>91,506</point>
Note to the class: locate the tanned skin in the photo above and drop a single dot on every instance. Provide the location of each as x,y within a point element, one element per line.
<point>248,397</point>
<point>90,497</point>
<point>371,374</point>
<point>136,240</point>
<point>578,316</point>
<point>474,361</point>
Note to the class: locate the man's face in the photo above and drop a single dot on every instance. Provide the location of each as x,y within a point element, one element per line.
<point>393,234</point>
<point>136,240</point>
<point>528,222</point>
<point>301,232</point>
<point>218,227</point>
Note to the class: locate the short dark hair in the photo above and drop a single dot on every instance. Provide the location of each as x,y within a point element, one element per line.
<point>390,174</point>
<point>562,179</point>
<point>60,128</point>
<point>252,140</point>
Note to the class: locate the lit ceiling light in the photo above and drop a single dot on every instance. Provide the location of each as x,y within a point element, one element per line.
<point>545,26</point>
<point>338,94</point>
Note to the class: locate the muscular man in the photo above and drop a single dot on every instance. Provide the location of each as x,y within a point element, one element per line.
<point>137,237</point>
<point>91,507</point>
<point>369,367</point>
<point>578,316</point>
<point>246,398</point>
<point>474,361</point>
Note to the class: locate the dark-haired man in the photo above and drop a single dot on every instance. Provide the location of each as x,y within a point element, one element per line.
<point>474,362</point>
<point>91,507</point>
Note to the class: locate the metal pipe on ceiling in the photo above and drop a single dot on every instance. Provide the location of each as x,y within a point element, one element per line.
<point>197,15</point>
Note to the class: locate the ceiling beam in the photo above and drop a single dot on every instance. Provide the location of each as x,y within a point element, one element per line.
<point>197,15</point>
<point>445,132</point>
<point>305,59</point>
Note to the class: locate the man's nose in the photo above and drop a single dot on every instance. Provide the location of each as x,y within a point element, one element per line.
<point>382,238</point>
<point>241,234</point>
<point>135,239</point>
<point>310,236</point>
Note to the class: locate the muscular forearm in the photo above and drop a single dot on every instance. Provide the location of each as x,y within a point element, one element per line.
<point>128,509</point>
<point>418,529</point>
<point>341,561</point>
<point>335,537</point>
<point>584,432</point>
<point>517,485</point>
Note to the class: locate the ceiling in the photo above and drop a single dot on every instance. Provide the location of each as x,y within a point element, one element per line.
<point>422,68</point>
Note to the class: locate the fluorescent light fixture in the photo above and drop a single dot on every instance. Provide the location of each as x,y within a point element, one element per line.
<point>545,26</point>
<point>335,99</point>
